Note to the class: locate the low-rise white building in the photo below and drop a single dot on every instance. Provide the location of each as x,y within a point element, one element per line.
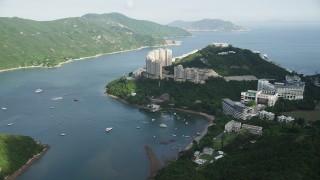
<point>232,126</point>
<point>286,119</point>
<point>292,88</point>
<point>259,97</point>
<point>207,150</point>
<point>266,115</point>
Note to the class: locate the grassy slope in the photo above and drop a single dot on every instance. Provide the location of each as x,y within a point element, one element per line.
<point>26,42</point>
<point>243,62</point>
<point>15,151</point>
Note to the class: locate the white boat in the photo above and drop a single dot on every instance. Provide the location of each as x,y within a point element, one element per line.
<point>174,135</point>
<point>186,122</point>
<point>62,134</point>
<point>9,124</point>
<point>56,98</point>
<point>138,127</point>
<point>108,129</point>
<point>163,125</point>
<point>4,108</point>
<point>153,119</point>
<point>38,90</point>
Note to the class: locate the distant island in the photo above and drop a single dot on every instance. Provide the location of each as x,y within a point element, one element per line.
<point>28,43</point>
<point>251,139</point>
<point>208,25</point>
<point>17,153</point>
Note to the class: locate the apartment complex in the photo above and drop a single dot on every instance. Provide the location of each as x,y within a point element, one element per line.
<point>259,97</point>
<point>194,75</point>
<point>155,60</point>
<point>235,109</point>
<point>292,88</point>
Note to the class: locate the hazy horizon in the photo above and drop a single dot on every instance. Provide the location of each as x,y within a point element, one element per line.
<point>166,11</point>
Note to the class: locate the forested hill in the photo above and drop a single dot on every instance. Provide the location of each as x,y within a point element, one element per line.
<point>232,61</point>
<point>207,25</point>
<point>46,43</point>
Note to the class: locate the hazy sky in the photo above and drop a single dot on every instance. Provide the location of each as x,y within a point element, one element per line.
<point>165,11</point>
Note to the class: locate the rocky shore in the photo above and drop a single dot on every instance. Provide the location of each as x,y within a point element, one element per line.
<point>29,163</point>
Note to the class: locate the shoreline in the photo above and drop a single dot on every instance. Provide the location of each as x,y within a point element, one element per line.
<point>206,116</point>
<point>29,163</point>
<point>154,168</point>
<point>88,57</point>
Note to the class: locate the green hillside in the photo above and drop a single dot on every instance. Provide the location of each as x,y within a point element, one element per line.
<point>240,62</point>
<point>47,43</point>
<point>15,151</point>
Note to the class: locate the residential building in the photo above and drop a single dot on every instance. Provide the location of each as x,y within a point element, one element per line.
<point>235,109</point>
<point>232,126</point>
<point>286,119</point>
<point>195,75</point>
<point>266,115</point>
<point>155,60</point>
<point>252,129</point>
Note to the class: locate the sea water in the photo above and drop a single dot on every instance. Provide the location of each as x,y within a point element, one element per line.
<point>87,151</point>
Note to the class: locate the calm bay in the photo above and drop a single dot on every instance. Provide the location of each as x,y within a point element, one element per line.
<point>87,151</point>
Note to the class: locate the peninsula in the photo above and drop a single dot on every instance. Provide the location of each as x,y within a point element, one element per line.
<point>206,81</point>
<point>27,43</point>
<point>17,154</point>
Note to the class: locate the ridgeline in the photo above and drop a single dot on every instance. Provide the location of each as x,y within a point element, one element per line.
<point>284,151</point>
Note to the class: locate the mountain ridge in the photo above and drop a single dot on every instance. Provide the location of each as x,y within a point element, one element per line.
<point>25,43</point>
<point>207,25</point>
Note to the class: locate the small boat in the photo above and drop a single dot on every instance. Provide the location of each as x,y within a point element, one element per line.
<point>56,98</point>
<point>153,119</point>
<point>198,134</point>
<point>163,125</point>
<point>75,99</point>
<point>9,124</point>
<point>138,127</point>
<point>62,134</point>
<point>4,108</point>
<point>186,122</point>
<point>108,129</point>
<point>38,91</point>
<point>186,136</point>
<point>174,135</point>
<point>52,107</point>
<point>51,116</point>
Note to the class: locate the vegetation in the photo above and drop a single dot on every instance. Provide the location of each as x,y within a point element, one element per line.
<point>15,151</point>
<point>242,62</point>
<point>207,99</point>
<point>285,151</point>
<point>207,25</point>
<point>47,43</point>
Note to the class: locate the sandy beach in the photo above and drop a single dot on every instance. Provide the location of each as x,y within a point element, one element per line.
<point>168,43</point>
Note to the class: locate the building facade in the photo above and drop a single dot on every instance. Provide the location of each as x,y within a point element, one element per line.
<point>235,109</point>
<point>252,129</point>
<point>292,88</point>
<point>155,60</point>
<point>232,126</point>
